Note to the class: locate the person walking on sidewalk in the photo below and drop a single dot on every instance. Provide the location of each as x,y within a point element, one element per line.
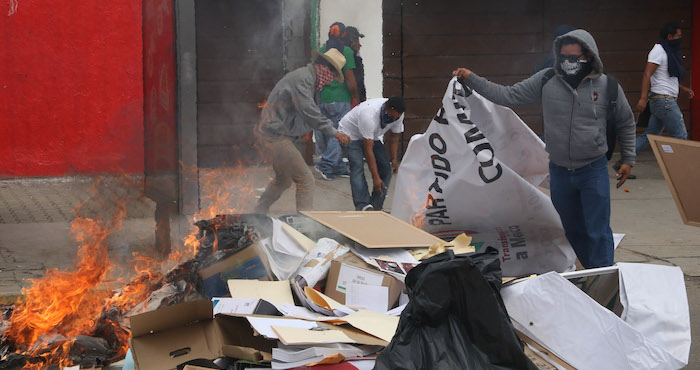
<point>365,124</point>
<point>662,76</point>
<point>337,98</point>
<point>291,111</point>
<point>574,105</point>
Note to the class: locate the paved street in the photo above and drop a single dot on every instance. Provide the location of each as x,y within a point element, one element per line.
<point>35,216</point>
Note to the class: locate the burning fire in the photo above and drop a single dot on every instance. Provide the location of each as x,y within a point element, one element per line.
<point>66,304</point>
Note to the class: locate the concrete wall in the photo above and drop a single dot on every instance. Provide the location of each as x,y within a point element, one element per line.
<point>366,15</point>
<point>71,88</point>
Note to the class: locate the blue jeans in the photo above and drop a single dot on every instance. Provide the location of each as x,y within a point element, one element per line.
<point>664,113</point>
<point>331,163</point>
<point>358,184</point>
<point>582,199</point>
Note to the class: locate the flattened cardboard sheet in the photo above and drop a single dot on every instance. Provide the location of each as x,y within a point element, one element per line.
<point>375,229</point>
<point>680,163</point>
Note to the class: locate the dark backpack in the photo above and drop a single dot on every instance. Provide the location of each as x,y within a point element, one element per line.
<point>611,90</point>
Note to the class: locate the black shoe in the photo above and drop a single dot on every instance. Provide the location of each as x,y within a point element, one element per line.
<point>631,177</point>
<point>617,166</point>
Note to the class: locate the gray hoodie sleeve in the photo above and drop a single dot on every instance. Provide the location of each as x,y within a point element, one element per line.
<point>308,109</point>
<point>625,127</point>
<point>527,91</point>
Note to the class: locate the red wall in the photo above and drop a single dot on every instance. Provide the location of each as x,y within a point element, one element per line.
<point>71,87</point>
<point>160,130</point>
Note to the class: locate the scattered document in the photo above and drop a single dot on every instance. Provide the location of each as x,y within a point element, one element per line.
<point>276,292</point>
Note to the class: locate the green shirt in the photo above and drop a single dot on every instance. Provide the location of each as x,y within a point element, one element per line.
<point>338,91</point>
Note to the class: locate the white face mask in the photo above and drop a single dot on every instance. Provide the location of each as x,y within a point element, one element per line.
<point>572,67</point>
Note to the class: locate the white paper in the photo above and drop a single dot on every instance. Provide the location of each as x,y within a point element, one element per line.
<point>391,254</point>
<point>280,365</point>
<point>562,318</point>
<point>263,325</point>
<point>299,353</point>
<point>397,311</point>
<point>353,275</point>
<point>617,238</point>
<point>363,364</point>
<point>667,148</point>
<point>298,312</point>
<point>367,297</point>
<point>285,255</point>
<point>656,303</point>
<point>477,168</point>
<point>241,306</point>
<point>403,298</point>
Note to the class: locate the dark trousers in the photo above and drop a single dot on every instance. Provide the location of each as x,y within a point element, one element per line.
<point>582,199</point>
<point>358,184</point>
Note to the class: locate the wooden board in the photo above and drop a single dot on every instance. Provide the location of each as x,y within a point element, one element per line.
<point>374,229</point>
<point>680,163</point>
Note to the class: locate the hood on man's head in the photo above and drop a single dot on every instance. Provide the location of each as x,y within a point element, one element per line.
<point>588,42</point>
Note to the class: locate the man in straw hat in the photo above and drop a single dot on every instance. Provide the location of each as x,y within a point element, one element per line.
<point>292,111</point>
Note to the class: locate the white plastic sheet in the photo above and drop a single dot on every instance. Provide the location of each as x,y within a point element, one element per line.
<point>476,170</point>
<point>563,319</point>
<point>655,303</point>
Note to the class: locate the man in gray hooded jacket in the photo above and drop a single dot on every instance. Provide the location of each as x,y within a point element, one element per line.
<point>574,106</point>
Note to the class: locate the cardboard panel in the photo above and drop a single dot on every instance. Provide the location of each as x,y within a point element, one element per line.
<point>374,229</point>
<point>170,317</point>
<point>680,163</point>
<point>171,348</point>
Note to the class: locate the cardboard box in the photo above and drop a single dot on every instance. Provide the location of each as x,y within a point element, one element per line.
<point>349,267</point>
<point>245,264</point>
<point>170,336</point>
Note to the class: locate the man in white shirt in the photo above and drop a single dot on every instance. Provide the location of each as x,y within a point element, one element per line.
<point>366,124</point>
<point>662,75</point>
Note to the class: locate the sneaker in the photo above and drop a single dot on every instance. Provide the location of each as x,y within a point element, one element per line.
<point>631,177</point>
<point>368,207</point>
<point>327,178</point>
<point>345,175</point>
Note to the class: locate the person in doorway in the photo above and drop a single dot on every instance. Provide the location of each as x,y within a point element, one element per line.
<point>333,160</point>
<point>662,76</point>
<point>336,101</point>
<point>574,105</point>
<point>365,125</point>
<point>353,41</point>
<point>291,111</point>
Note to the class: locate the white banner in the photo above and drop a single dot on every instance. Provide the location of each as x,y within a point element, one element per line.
<point>562,318</point>
<point>476,170</point>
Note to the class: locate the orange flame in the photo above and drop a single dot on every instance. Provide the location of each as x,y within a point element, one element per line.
<point>76,301</point>
<point>66,303</point>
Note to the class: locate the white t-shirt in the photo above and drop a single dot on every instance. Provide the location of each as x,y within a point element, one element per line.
<point>363,121</point>
<point>661,82</point>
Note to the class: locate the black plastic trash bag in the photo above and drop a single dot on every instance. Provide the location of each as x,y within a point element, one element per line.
<point>455,318</point>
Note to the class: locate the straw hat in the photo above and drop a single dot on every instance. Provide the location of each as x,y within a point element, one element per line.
<point>335,58</point>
